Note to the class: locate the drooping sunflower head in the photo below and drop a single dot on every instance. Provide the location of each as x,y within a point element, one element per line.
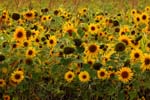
<point>125,74</point>
<point>69,76</point>
<point>102,74</point>
<point>20,34</point>
<point>97,66</point>
<point>119,47</point>
<point>84,76</point>
<point>31,52</point>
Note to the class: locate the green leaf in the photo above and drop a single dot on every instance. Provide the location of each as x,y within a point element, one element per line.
<point>66,61</point>
<point>80,32</point>
<point>55,68</point>
<point>121,95</point>
<point>132,94</point>
<point>80,49</point>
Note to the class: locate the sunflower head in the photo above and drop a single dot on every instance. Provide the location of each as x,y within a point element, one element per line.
<point>146,62</point>
<point>6,97</point>
<point>52,41</point>
<point>125,74</point>
<point>120,47</point>
<point>125,39</point>
<point>20,34</point>
<point>31,52</point>
<point>93,28</point>
<point>16,77</point>
<point>69,76</point>
<point>102,74</point>
<point>136,55</point>
<point>84,76</point>
<point>92,50</point>
<point>2,83</point>
<point>29,15</point>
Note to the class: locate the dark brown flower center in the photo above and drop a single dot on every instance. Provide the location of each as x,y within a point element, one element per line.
<point>147,61</point>
<point>19,34</point>
<point>29,14</point>
<point>1,82</point>
<point>92,28</point>
<point>51,41</point>
<point>144,17</point>
<point>30,52</point>
<point>148,45</point>
<point>70,32</point>
<point>92,48</point>
<point>17,76</point>
<point>84,76</point>
<point>102,74</point>
<point>125,41</point>
<point>136,55</point>
<point>70,76</point>
<point>124,74</point>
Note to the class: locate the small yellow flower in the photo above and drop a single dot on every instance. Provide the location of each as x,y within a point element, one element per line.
<point>69,76</point>
<point>84,76</point>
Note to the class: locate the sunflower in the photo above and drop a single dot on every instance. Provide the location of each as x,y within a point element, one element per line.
<point>102,74</point>
<point>17,76</point>
<point>2,83</point>
<point>135,44</point>
<point>92,50</point>
<point>69,29</point>
<point>4,70</point>
<point>20,34</point>
<point>120,47</point>
<point>35,33</point>
<point>145,62</point>
<point>82,11</point>
<point>31,52</point>
<point>147,8</point>
<point>69,76</point>
<point>84,76</point>
<point>89,61</point>
<point>26,43</point>
<point>125,39</point>
<point>148,46</point>
<point>137,19</point>
<point>93,28</point>
<point>29,15</point>
<point>125,74</point>
<point>52,41</point>
<point>144,17</point>
<point>6,97</point>
<point>111,74</point>
<point>136,55</point>
<point>44,18</point>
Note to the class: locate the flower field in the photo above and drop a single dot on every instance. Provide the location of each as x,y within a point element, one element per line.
<point>74,50</point>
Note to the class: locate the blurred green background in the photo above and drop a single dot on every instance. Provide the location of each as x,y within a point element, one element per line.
<point>53,4</point>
